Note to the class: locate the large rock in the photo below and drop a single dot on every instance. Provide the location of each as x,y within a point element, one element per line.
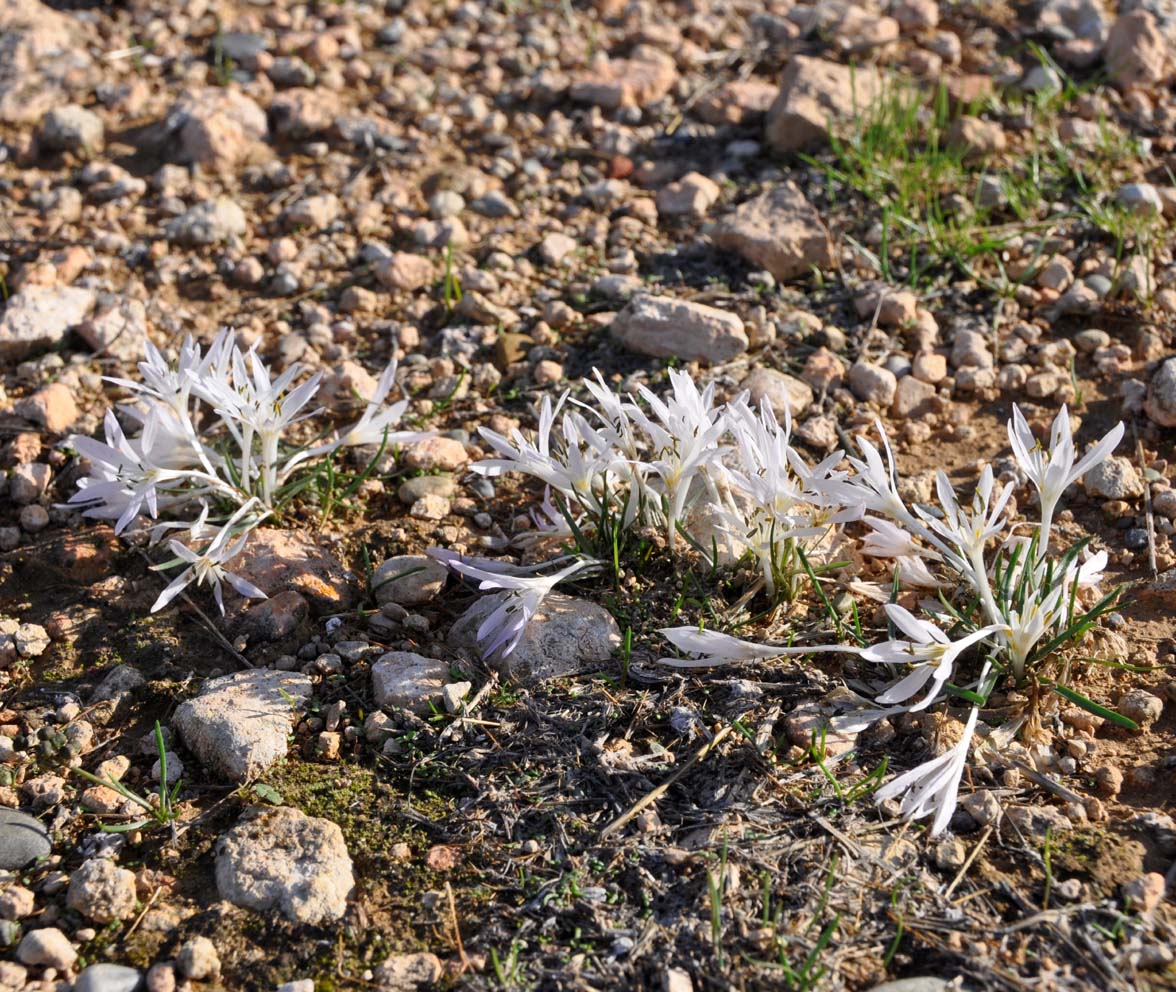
<point>239,723</point>
<point>274,560</point>
<point>816,96</point>
<point>23,839</point>
<point>566,636</point>
<point>277,858</point>
<point>404,680</point>
<point>38,318</point>
<point>665,327</point>
<point>216,126</point>
<point>779,231</point>
<point>41,53</point>
<point>102,891</point>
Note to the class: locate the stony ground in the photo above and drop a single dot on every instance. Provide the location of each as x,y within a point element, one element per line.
<point>916,210</point>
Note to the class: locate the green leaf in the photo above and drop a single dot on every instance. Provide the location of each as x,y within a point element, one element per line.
<point>1092,707</point>
<point>267,794</point>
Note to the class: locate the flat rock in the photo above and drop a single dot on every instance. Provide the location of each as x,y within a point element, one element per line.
<point>404,680</point>
<point>23,839</point>
<point>278,858</point>
<point>815,96</point>
<point>567,635</point>
<point>663,327</point>
<point>408,579</point>
<point>38,317</point>
<point>238,724</point>
<point>275,559</point>
<point>779,231</point>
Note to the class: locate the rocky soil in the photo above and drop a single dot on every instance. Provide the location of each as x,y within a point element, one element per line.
<point>915,210</point>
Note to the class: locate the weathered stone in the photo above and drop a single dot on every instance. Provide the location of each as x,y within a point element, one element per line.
<point>118,329</point>
<point>633,82</point>
<point>664,327</point>
<point>38,317</point>
<point>275,559</point>
<point>42,53</point>
<point>277,858</point>
<point>216,126</point>
<point>408,580</point>
<point>53,407</point>
<point>73,129</point>
<point>409,972</point>
<point>779,231</point>
<point>816,96</point>
<point>1160,404</point>
<point>780,389</point>
<point>565,636</point>
<point>106,977</point>
<point>872,383</point>
<point>404,680</point>
<point>101,891</point>
<point>237,726</point>
<point>1136,52</point>
<point>208,223</point>
<point>47,946</point>
<point>1114,478</point>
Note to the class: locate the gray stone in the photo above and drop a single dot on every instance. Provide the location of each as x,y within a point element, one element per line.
<point>663,327</point>
<point>207,223</point>
<point>565,636</point>
<point>23,839</point>
<point>109,978</point>
<point>1160,404</point>
<point>278,858</point>
<point>72,129</point>
<point>872,383</point>
<point>1115,478</point>
<point>102,891</point>
<point>409,972</point>
<point>404,680</point>
<point>38,317</point>
<point>238,724</point>
<point>779,231</point>
<point>426,485</point>
<point>408,580</point>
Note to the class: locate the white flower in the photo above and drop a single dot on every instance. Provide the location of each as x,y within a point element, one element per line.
<point>685,431</point>
<point>932,789</point>
<point>1055,471</point>
<point>525,589</point>
<point>207,566</point>
<point>875,484</point>
<point>711,648</point>
<point>929,650</point>
<point>378,420</point>
<point>969,532</point>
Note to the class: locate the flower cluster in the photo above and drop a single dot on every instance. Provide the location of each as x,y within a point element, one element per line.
<point>725,479</point>
<point>214,433</point>
<point>1005,595</point>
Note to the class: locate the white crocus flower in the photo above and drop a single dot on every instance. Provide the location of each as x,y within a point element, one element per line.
<point>207,567</point>
<point>711,648</point>
<point>1052,472</point>
<point>932,789</point>
<point>525,587</point>
<point>929,650</point>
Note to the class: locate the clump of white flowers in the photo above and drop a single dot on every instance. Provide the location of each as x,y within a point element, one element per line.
<point>215,436</point>
<point>1006,598</point>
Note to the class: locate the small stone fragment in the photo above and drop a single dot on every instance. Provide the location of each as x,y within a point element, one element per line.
<point>102,892</point>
